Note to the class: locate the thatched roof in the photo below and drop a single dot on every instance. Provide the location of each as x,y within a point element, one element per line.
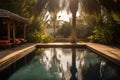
<point>13,16</point>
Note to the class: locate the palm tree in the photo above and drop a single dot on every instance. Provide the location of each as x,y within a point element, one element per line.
<point>92,7</point>
<point>52,6</point>
<point>73,9</point>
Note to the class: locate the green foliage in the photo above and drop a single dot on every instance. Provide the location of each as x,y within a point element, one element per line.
<point>21,7</point>
<point>34,26</point>
<point>102,34</point>
<point>83,31</point>
<point>91,7</point>
<point>35,32</point>
<point>107,30</point>
<point>53,6</point>
<point>39,37</point>
<point>65,30</point>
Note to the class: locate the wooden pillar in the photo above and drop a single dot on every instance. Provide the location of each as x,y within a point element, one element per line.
<point>24,35</point>
<point>8,27</point>
<point>13,32</point>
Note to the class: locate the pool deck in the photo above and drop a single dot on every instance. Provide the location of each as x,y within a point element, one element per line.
<point>110,52</point>
<point>9,56</point>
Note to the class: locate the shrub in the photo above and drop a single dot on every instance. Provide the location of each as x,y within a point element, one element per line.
<point>39,37</point>
<point>102,34</point>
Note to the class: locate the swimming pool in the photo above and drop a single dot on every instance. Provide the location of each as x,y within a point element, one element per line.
<point>67,64</point>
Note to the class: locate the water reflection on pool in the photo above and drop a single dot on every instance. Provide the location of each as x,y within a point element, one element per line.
<point>60,64</point>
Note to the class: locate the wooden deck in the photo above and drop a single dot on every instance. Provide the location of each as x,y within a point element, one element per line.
<point>10,56</point>
<point>109,52</point>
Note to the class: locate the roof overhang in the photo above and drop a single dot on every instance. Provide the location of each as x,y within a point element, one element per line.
<point>13,16</point>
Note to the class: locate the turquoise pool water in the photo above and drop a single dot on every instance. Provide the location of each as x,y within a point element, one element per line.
<point>67,64</point>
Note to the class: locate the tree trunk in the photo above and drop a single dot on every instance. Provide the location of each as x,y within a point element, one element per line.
<point>73,68</point>
<point>74,38</point>
<point>74,8</point>
<point>54,28</point>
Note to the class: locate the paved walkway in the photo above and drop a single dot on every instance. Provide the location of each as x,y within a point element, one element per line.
<point>11,55</point>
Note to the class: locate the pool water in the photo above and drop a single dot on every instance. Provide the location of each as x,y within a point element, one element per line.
<point>67,64</point>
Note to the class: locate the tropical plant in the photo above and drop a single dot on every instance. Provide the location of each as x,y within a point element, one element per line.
<point>99,9</point>
<point>39,37</point>
<point>52,6</point>
<point>106,31</point>
<point>65,30</point>
<point>21,7</point>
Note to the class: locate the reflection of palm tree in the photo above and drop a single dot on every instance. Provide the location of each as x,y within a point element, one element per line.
<point>56,61</point>
<point>73,69</point>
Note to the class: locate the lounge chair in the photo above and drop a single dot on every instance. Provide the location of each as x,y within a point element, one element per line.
<point>22,40</point>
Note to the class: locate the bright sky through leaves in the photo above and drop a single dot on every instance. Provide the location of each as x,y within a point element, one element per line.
<point>65,16</point>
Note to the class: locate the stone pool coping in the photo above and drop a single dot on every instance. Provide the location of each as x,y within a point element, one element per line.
<point>9,56</point>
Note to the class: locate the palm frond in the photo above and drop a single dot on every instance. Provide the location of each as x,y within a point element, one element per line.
<point>90,6</point>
